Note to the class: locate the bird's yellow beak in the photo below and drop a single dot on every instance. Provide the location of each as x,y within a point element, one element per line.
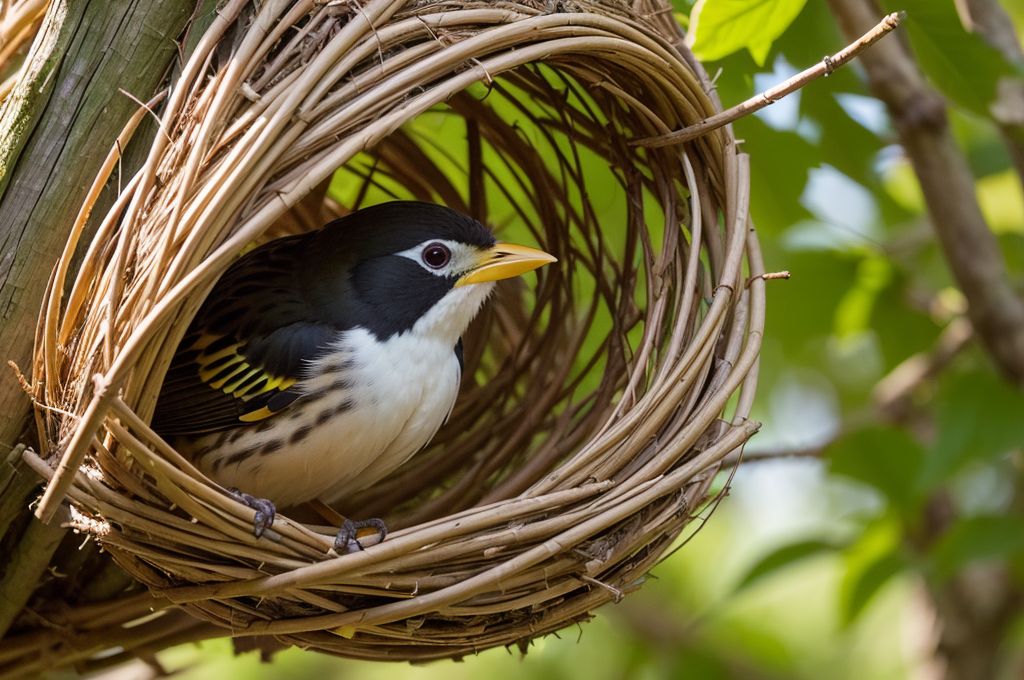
<point>505,260</point>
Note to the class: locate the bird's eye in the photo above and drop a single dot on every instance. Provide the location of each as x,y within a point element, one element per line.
<point>436,255</point>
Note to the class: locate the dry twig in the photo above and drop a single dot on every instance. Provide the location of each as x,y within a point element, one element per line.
<point>825,68</point>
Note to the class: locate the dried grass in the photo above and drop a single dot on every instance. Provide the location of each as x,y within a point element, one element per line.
<point>579,448</point>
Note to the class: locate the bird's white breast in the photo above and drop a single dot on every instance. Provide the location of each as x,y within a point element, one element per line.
<point>381,402</point>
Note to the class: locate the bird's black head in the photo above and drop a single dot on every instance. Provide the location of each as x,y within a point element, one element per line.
<point>390,264</point>
<point>397,260</point>
<point>395,227</point>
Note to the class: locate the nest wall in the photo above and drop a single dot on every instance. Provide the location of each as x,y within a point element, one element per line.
<point>598,400</point>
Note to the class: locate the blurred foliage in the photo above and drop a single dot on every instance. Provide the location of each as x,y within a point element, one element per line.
<point>960,64</point>
<point>817,566</point>
<point>720,27</point>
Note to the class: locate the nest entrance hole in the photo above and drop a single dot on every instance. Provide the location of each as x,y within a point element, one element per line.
<point>539,157</point>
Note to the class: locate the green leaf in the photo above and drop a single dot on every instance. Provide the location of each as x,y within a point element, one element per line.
<point>975,539</point>
<point>887,459</point>
<point>783,557</point>
<point>779,177</point>
<point>853,315</point>
<point>983,143</point>
<point>870,563</point>
<point>960,64</point>
<point>903,330</point>
<point>721,27</point>
<point>979,418</point>
<point>812,34</point>
<point>861,586</point>
<point>845,144</point>
<point>1001,201</point>
<point>1012,246</point>
<point>802,313</point>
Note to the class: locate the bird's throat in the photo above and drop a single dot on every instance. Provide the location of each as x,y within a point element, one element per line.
<point>449,318</point>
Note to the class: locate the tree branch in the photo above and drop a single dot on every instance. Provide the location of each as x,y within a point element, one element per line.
<point>971,636</point>
<point>892,391</point>
<point>989,19</point>
<point>824,68</point>
<point>56,126</point>
<point>27,564</point>
<point>52,145</point>
<point>970,248</point>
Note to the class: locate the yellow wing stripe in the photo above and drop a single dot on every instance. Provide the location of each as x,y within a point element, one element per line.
<point>244,390</point>
<point>207,375</point>
<point>275,383</point>
<point>205,340</point>
<point>256,415</point>
<point>219,384</point>
<point>232,388</point>
<point>205,359</point>
<point>239,378</point>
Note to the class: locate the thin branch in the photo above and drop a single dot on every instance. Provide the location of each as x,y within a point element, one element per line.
<point>901,382</point>
<point>29,560</point>
<point>990,19</point>
<point>739,455</point>
<point>770,276</point>
<point>969,246</point>
<point>825,68</point>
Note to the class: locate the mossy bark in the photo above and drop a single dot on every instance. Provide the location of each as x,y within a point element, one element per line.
<point>56,128</point>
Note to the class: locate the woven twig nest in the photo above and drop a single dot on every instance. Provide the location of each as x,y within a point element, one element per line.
<point>599,397</point>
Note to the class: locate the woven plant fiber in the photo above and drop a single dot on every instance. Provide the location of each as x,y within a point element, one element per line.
<point>600,394</point>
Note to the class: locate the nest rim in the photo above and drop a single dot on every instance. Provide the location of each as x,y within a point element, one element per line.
<point>722,346</point>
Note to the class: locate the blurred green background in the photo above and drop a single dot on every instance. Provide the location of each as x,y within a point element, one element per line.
<point>833,555</point>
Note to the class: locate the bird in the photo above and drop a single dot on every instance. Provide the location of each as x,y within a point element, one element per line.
<point>321,362</point>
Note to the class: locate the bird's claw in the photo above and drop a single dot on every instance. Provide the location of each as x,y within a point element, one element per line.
<point>265,510</point>
<point>346,540</point>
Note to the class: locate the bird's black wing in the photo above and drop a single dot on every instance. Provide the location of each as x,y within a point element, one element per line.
<point>248,345</point>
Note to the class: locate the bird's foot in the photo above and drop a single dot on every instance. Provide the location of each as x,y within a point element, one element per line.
<point>347,542</point>
<point>265,510</point>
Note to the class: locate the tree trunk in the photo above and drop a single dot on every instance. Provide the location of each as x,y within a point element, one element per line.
<point>56,128</point>
<point>978,606</point>
<point>970,248</point>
